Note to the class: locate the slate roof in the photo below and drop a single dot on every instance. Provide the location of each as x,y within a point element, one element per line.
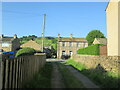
<point>7,39</point>
<point>61,39</point>
<point>102,40</point>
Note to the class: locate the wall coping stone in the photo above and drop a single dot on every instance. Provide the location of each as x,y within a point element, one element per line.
<point>95,56</point>
<point>40,54</point>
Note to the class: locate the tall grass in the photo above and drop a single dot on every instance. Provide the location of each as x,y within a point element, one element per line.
<point>42,79</point>
<point>103,79</point>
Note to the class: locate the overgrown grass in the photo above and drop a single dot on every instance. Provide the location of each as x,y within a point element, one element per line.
<point>42,79</point>
<point>69,80</point>
<point>103,79</point>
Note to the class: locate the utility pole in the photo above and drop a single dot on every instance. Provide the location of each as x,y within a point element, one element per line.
<point>43,31</point>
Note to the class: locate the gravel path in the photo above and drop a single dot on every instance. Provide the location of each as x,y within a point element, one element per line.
<point>57,80</point>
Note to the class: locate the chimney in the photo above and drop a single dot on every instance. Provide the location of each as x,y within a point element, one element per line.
<point>71,35</point>
<point>58,35</point>
<point>1,36</point>
<point>15,36</point>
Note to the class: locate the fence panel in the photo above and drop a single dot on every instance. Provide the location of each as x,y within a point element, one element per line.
<point>17,72</point>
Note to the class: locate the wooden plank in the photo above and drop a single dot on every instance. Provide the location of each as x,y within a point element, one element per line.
<point>16,80</point>
<point>3,73</point>
<point>6,75</point>
<point>10,74</point>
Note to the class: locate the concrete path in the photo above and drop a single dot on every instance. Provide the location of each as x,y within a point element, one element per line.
<point>57,80</point>
<point>86,82</point>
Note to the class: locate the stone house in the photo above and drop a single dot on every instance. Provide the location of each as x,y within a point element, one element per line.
<point>9,43</point>
<point>100,41</point>
<point>69,45</point>
<point>32,44</point>
<point>113,27</point>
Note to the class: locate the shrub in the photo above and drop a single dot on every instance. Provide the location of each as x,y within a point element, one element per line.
<point>25,51</point>
<point>90,50</point>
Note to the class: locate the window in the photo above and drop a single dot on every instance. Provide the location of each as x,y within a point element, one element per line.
<point>70,44</point>
<point>71,53</point>
<point>85,45</point>
<point>5,44</point>
<point>63,52</point>
<point>63,44</point>
<point>78,44</point>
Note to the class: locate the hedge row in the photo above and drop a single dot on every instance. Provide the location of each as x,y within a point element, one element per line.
<point>90,50</point>
<point>25,51</point>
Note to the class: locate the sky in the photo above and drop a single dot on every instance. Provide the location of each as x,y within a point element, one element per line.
<point>78,18</point>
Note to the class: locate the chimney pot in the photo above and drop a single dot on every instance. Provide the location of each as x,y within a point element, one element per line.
<point>71,35</point>
<point>15,36</point>
<point>58,35</point>
<point>1,36</point>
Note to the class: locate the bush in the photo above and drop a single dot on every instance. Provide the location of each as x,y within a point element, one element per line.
<point>25,51</point>
<point>90,50</point>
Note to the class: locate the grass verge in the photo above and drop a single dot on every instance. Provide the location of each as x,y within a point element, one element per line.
<point>103,79</point>
<point>69,80</point>
<point>42,79</point>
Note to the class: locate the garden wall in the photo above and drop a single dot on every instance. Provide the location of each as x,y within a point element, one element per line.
<point>17,72</point>
<point>103,63</point>
<point>103,50</point>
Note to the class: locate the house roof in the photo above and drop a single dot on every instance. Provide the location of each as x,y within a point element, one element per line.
<point>111,1</point>
<point>107,5</point>
<point>7,39</point>
<point>102,40</point>
<point>29,42</point>
<point>61,39</point>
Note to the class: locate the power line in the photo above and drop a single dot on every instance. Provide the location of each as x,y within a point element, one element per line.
<point>17,12</point>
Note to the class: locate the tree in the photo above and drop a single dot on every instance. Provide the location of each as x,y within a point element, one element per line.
<point>94,34</point>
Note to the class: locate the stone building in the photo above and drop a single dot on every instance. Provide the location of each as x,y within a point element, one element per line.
<point>69,45</point>
<point>100,41</point>
<point>32,44</point>
<point>9,43</point>
<point>113,27</point>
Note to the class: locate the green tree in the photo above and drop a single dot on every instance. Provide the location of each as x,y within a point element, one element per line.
<point>94,34</point>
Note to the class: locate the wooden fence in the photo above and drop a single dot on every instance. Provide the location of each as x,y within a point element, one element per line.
<point>17,72</point>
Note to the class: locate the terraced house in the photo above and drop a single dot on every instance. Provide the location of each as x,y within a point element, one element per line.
<point>9,43</point>
<point>69,45</point>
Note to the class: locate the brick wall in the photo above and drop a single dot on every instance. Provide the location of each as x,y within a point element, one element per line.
<point>103,50</point>
<point>101,62</point>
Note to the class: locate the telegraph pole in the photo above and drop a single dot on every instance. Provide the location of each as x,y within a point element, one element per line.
<point>43,31</point>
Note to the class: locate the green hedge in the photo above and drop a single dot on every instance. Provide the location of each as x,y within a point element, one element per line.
<point>90,50</point>
<point>25,51</point>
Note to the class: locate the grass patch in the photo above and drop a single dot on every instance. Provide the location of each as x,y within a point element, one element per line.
<point>103,79</point>
<point>42,79</point>
<point>69,80</point>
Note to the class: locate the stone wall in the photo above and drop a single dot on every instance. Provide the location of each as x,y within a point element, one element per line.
<point>99,62</point>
